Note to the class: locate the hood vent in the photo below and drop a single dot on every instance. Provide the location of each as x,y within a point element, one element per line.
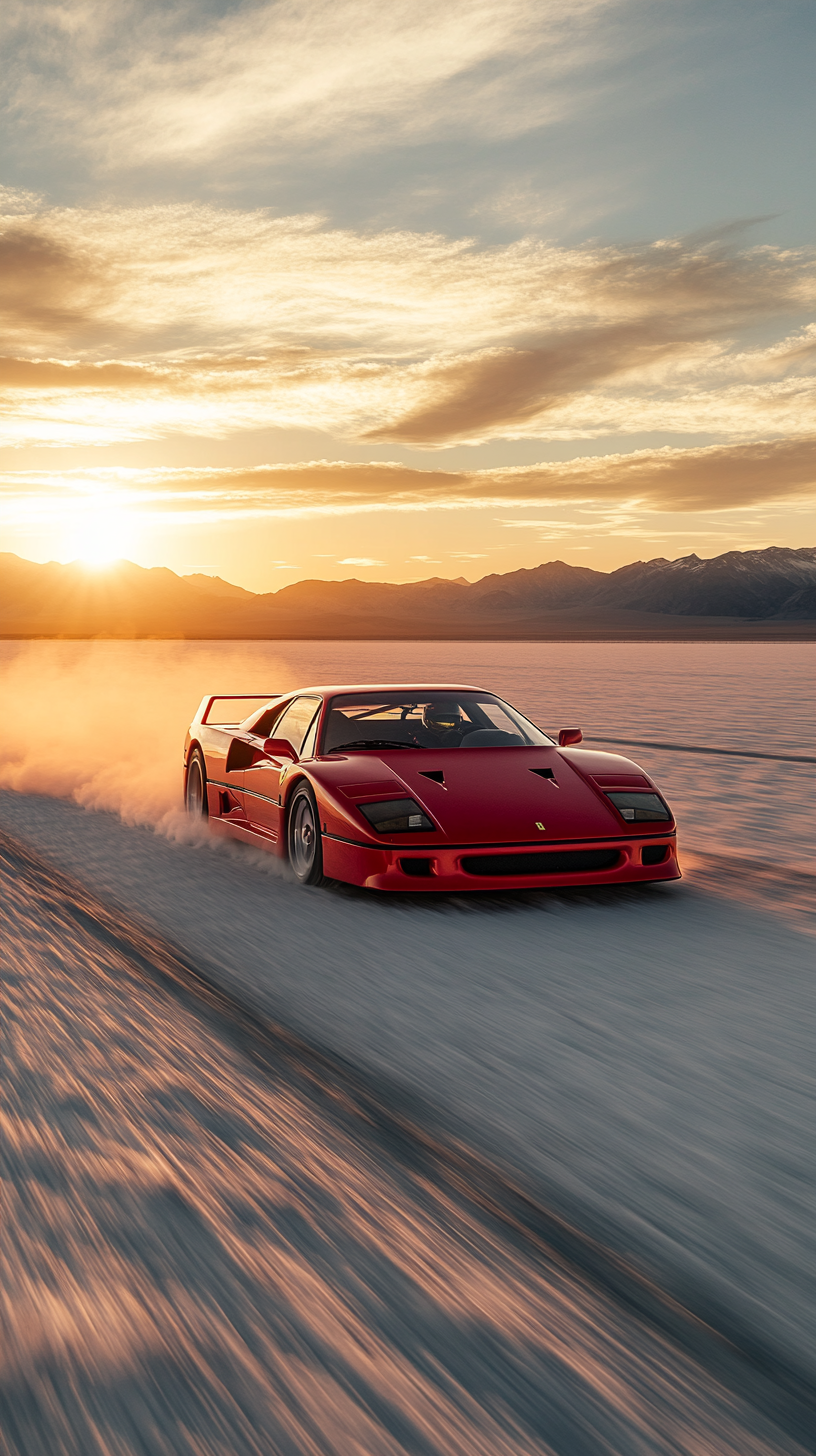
<point>544,773</point>
<point>434,774</point>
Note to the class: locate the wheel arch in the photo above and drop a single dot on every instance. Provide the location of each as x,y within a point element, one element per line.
<point>195,743</point>
<point>292,784</point>
<point>301,780</point>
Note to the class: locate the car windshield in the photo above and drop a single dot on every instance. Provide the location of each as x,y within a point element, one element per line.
<point>405,719</point>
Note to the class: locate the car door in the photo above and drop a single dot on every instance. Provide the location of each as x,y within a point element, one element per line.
<point>262,781</point>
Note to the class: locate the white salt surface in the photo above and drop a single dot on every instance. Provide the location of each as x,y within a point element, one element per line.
<point>641,1061</point>
<point>206,1253</point>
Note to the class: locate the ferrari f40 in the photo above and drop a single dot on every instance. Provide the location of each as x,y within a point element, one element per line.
<point>424,786</point>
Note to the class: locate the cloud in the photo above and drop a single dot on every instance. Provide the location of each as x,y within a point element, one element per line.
<point>62,374</point>
<point>46,287</point>
<point>199,279</point>
<point>500,390</point>
<point>135,84</point>
<point>336,400</point>
<point>687,299</point>
<point>136,323</point>
<point>714,478</point>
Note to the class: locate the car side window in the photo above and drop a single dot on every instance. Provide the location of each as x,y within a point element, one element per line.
<point>296,721</point>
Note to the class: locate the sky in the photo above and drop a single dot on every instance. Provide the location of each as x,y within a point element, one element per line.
<point>332,288</point>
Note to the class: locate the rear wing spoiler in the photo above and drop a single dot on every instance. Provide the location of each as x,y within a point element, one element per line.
<point>208,708</point>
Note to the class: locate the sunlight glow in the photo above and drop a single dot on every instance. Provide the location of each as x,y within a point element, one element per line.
<point>104,536</point>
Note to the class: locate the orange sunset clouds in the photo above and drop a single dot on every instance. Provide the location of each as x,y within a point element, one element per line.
<point>210,369</point>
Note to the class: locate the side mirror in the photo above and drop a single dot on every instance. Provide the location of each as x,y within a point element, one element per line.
<point>566,736</point>
<point>279,748</point>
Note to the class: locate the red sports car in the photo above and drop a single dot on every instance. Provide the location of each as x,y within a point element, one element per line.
<point>432,787</point>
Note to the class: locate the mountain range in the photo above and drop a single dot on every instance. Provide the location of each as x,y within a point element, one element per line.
<point>741,594</point>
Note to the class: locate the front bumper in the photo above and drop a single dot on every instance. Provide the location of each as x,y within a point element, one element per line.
<point>444,868</point>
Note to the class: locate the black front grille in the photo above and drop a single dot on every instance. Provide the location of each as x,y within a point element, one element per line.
<point>550,862</point>
<point>654,853</point>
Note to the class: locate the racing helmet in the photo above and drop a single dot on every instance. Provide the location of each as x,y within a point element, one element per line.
<point>442,718</point>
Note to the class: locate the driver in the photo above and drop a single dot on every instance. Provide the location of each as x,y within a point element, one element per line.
<point>445,722</point>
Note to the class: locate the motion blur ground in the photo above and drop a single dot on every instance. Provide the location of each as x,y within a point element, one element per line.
<point>209,1247</point>
<point>638,1062</point>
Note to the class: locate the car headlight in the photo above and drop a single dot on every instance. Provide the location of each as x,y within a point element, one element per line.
<point>396,816</point>
<point>639,808</point>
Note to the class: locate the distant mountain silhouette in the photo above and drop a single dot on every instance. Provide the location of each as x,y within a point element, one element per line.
<point>770,593</point>
<point>216,587</point>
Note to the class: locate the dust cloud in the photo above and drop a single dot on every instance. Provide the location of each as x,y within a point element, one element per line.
<point>103,723</point>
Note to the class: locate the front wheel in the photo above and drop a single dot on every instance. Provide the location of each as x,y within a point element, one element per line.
<point>303,838</point>
<point>195,797</point>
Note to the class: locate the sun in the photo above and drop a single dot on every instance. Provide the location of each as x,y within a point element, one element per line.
<point>103,537</point>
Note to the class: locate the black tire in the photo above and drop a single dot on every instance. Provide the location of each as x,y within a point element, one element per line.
<point>303,840</point>
<point>195,793</point>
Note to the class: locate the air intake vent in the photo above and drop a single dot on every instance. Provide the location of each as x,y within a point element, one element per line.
<point>434,774</point>
<point>419,868</point>
<point>543,773</point>
<point>550,862</point>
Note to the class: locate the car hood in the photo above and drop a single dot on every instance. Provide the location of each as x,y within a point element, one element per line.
<point>488,795</point>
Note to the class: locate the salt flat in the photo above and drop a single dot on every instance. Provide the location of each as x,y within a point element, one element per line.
<point>640,1062</point>
<point>210,1245</point>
